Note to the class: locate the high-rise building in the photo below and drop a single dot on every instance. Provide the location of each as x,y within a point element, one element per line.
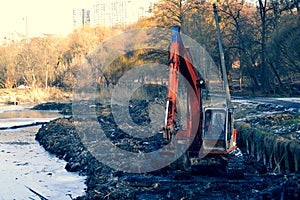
<point>112,13</point>
<point>118,13</point>
<point>81,17</point>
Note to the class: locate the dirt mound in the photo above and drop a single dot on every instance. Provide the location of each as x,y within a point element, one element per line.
<point>64,108</point>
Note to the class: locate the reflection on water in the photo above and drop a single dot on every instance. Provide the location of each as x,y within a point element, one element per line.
<point>11,116</point>
<point>28,114</point>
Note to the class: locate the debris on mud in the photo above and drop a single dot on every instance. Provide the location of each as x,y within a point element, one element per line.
<point>59,137</point>
<point>270,118</point>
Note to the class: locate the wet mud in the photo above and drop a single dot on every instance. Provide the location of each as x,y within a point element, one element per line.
<point>60,138</point>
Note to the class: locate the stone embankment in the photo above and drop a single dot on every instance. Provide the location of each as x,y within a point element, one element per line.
<point>277,152</point>
<point>270,132</point>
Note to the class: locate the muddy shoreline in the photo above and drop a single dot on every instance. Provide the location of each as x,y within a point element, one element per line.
<point>60,138</point>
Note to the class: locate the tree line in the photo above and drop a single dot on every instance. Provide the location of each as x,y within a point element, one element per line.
<point>48,61</point>
<point>260,38</point>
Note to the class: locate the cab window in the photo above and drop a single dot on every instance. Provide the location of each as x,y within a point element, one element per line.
<point>214,124</point>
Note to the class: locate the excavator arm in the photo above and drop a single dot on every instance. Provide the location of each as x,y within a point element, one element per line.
<point>180,64</point>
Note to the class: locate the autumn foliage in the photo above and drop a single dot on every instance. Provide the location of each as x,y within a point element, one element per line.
<point>260,39</point>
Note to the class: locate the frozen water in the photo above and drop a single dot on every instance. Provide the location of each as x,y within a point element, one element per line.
<point>25,164</point>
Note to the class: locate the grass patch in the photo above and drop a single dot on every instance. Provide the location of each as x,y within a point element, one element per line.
<point>295,120</point>
<point>261,132</point>
<point>245,128</point>
<point>33,95</point>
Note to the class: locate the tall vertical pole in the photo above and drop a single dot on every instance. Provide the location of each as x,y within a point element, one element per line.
<point>26,24</point>
<point>47,63</point>
<point>222,56</point>
<point>82,17</point>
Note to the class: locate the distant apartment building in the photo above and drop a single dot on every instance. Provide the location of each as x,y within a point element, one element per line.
<point>118,13</point>
<point>112,13</point>
<point>81,17</point>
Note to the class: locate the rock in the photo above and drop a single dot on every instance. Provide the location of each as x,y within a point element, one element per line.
<point>73,167</point>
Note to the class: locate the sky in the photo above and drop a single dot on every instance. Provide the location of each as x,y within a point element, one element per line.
<point>43,16</point>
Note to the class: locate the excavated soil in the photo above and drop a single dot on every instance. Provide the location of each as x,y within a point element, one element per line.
<point>60,138</point>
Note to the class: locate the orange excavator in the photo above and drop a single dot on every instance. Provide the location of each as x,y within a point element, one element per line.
<point>208,131</point>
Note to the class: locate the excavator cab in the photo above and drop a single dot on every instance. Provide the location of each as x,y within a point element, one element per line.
<point>218,133</point>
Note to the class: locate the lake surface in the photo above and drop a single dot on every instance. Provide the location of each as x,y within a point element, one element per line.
<point>18,115</point>
<point>25,166</point>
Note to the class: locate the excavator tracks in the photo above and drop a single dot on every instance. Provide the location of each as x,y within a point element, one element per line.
<point>235,164</point>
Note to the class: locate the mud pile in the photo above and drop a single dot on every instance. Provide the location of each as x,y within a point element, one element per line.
<point>60,138</point>
<point>64,108</point>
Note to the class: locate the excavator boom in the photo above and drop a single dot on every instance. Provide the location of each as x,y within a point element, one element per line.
<point>180,64</point>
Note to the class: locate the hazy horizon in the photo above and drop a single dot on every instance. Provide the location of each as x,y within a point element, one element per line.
<point>43,16</point>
